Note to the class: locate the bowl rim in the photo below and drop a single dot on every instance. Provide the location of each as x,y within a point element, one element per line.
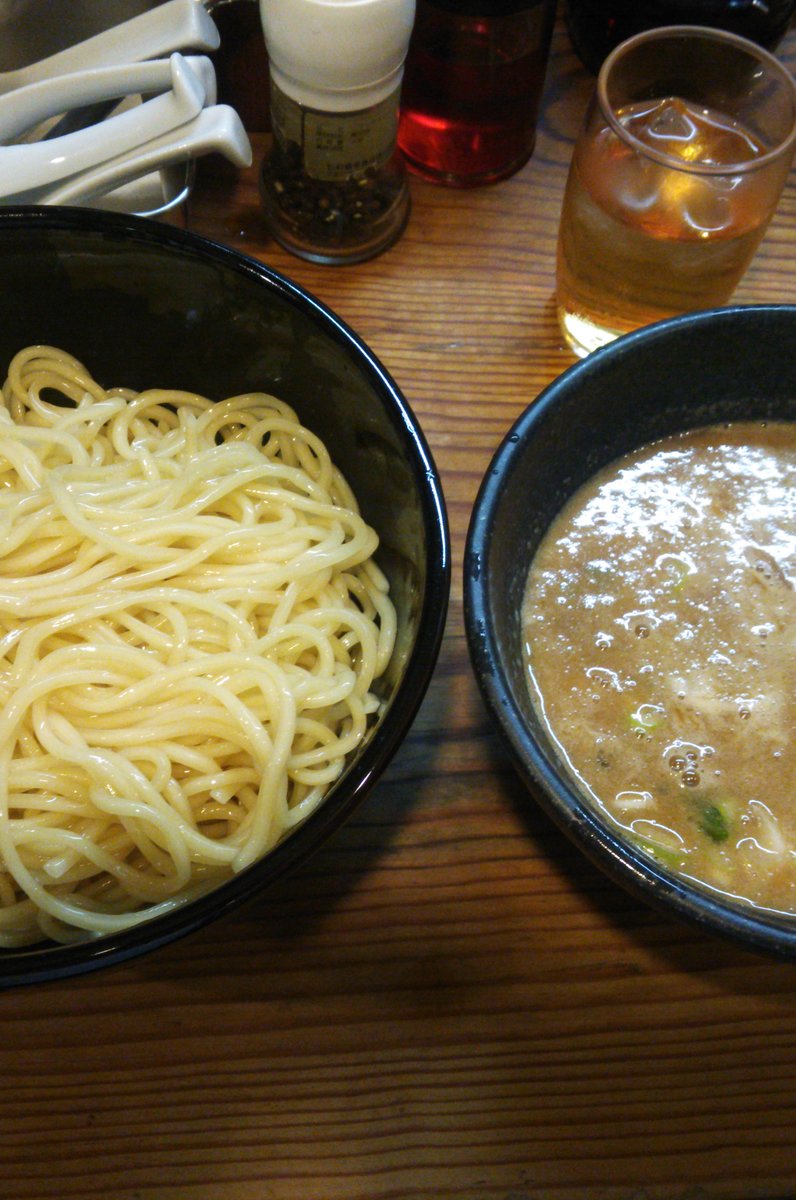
<point>46,962</point>
<point>755,928</point>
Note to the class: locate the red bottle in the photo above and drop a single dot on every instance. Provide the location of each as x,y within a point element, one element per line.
<point>472,85</point>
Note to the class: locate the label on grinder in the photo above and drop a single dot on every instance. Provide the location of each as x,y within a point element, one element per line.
<point>336,146</point>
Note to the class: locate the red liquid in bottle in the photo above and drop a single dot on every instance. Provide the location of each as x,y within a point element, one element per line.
<point>471,91</point>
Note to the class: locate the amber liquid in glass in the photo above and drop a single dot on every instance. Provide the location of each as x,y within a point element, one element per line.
<point>640,241</point>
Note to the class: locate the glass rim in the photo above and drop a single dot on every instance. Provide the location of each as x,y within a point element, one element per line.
<point>706,33</point>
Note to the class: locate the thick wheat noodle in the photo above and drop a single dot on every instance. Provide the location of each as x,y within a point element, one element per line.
<point>191,622</point>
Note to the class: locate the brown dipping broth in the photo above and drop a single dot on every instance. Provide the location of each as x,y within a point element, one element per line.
<point>660,630</point>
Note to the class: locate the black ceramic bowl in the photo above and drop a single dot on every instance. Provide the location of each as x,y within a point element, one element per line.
<point>145,305</point>
<point>729,364</point>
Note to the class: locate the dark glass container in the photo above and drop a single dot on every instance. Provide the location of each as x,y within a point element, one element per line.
<point>597,26</point>
<point>472,86</point>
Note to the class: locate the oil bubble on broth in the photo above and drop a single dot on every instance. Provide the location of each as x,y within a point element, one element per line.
<point>660,630</point>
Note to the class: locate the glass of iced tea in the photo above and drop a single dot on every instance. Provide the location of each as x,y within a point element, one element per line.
<point>685,149</point>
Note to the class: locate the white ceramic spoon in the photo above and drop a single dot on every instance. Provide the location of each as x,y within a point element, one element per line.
<point>216,129</point>
<point>175,25</point>
<point>40,164</point>
<point>20,110</point>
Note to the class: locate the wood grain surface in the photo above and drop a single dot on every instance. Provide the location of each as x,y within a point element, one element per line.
<point>447,1001</point>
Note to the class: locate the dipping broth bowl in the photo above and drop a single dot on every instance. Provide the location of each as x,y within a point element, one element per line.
<point>700,369</point>
<point>145,305</point>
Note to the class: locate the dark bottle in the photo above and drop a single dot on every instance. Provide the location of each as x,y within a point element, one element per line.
<point>597,26</point>
<point>472,85</point>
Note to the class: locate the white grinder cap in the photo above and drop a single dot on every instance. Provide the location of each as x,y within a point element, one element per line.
<point>337,55</point>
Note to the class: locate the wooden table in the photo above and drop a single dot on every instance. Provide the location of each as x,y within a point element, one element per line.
<point>448,1000</point>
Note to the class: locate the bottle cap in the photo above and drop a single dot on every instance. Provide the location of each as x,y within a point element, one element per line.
<point>337,55</point>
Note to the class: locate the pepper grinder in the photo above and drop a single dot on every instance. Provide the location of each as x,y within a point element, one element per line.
<point>333,185</point>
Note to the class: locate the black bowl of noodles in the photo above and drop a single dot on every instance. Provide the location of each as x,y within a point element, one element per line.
<point>638,660</point>
<point>225,573</point>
